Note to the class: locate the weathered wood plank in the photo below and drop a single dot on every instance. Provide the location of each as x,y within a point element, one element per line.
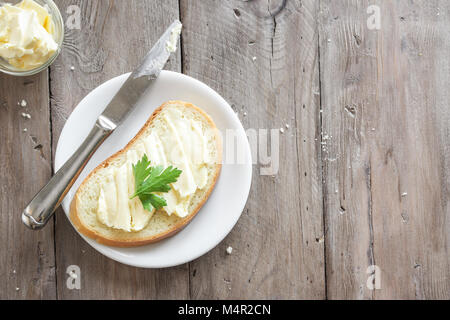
<point>114,36</point>
<point>27,270</point>
<point>385,121</point>
<point>262,56</point>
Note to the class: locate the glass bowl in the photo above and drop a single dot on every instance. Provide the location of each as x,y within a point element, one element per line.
<point>58,36</point>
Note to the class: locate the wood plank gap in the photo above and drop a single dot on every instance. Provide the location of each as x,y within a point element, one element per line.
<point>322,164</point>
<point>370,220</point>
<point>52,164</point>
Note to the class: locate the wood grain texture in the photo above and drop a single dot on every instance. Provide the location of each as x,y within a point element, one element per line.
<point>27,270</point>
<point>386,160</point>
<point>262,56</point>
<point>114,37</point>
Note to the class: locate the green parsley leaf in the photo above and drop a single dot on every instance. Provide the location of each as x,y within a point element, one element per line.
<point>152,179</point>
<point>150,201</point>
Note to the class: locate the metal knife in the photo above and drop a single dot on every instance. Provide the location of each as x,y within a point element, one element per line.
<point>41,208</point>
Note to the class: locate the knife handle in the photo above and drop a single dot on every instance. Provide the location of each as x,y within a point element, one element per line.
<point>44,204</point>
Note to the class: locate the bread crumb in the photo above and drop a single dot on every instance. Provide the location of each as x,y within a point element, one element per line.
<point>404,194</point>
<point>72,68</point>
<point>254,58</point>
<point>287,126</point>
<point>281,130</point>
<point>23,103</point>
<point>25,130</point>
<point>229,250</point>
<point>17,288</point>
<point>26,115</point>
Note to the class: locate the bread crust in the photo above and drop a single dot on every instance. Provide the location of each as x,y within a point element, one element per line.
<point>74,206</point>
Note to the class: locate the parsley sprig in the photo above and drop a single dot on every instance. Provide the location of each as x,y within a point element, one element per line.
<point>150,179</point>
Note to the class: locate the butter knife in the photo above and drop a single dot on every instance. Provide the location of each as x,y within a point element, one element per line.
<point>41,208</point>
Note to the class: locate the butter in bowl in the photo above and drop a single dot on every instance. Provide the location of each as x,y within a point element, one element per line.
<point>31,35</point>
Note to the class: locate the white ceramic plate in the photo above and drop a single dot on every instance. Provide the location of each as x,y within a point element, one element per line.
<point>224,207</point>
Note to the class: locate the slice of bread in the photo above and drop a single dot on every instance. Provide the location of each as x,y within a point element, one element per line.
<point>83,209</point>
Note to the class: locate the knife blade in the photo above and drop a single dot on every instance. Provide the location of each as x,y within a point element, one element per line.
<point>41,208</point>
<point>141,78</point>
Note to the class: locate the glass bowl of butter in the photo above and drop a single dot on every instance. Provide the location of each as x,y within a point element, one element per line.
<point>31,35</point>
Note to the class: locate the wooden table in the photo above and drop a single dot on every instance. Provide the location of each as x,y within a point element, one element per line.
<point>364,167</point>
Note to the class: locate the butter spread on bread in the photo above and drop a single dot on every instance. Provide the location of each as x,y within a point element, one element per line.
<point>178,134</point>
<point>179,142</point>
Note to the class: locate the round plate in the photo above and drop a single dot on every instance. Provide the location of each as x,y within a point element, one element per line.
<point>224,207</point>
